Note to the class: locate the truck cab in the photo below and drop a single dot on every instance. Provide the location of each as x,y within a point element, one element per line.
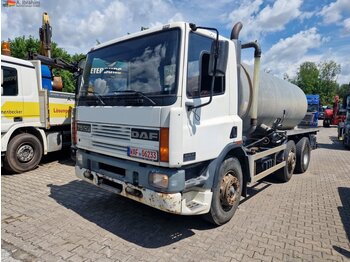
<point>18,74</point>
<point>133,122</point>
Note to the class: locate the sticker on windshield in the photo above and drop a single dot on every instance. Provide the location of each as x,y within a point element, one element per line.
<point>100,66</point>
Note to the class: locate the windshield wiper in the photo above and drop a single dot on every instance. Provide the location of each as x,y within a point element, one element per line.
<point>136,93</point>
<point>98,96</point>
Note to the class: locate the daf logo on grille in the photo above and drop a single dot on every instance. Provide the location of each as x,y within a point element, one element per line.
<point>145,134</point>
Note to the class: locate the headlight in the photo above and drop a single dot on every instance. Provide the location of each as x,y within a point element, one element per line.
<point>79,158</point>
<point>159,180</point>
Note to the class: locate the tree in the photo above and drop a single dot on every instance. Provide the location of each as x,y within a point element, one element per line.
<point>343,90</point>
<point>307,77</point>
<point>328,85</point>
<point>318,79</point>
<point>329,70</point>
<point>21,46</point>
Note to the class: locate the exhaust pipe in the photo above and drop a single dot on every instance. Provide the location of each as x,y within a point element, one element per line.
<point>253,113</point>
<point>234,37</point>
<point>236,30</point>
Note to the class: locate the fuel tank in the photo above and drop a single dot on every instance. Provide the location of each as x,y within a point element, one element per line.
<point>277,98</point>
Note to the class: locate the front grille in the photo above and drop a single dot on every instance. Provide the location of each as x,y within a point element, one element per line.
<point>111,138</point>
<point>116,132</point>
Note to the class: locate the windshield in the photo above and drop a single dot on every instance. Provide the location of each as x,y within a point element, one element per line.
<point>137,72</point>
<point>312,108</point>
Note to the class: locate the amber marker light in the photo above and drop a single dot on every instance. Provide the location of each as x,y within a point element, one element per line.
<point>164,145</point>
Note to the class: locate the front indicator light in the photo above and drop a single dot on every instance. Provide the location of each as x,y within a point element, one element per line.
<point>159,180</point>
<point>164,145</point>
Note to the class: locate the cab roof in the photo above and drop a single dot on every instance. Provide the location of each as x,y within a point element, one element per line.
<point>10,59</point>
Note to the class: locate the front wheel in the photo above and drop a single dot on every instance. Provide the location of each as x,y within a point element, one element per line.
<point>23,153</point>
<point>227,192</point>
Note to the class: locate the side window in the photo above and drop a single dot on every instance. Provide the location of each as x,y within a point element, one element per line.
<point>198,80</point>
<point>206,79</point>
<point>9,82</point>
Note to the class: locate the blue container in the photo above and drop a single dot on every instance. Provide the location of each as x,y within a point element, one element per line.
<point>46,77</point>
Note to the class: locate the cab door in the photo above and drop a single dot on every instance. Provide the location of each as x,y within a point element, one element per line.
<point>207,129</point>
<point>11,97</point>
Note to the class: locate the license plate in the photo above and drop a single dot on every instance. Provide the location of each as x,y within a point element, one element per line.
<point>143,153</point>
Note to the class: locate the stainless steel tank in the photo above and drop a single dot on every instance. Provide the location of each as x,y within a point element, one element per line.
<point>275,97</point>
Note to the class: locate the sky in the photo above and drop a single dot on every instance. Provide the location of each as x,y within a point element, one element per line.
<point>290,31</point>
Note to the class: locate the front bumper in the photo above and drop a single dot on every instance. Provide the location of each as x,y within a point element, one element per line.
<point>193,202</point>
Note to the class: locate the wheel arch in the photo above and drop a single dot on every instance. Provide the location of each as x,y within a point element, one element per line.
<point>38,133</point>
<point>237,151</point>
<point>311,136</point>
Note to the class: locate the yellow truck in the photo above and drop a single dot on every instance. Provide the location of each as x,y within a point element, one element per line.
<point>35,119</point>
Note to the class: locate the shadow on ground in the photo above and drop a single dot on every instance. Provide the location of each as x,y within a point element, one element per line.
<point>63,157</point>
<point>127,219</point>
<point>335,145</point>
<point>344,212</point>
<point>130,220</point>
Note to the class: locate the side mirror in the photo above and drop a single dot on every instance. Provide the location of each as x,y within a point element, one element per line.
<point>222,58</point>
<point>82,64</point>
<point>78,84</point>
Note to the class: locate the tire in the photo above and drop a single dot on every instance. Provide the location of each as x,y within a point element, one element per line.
<point>225,201</point>
<point>303,151</point>
<point>326,122</point>
<point>285,174</point>
<point>24,153</point>
<point>346,140</point>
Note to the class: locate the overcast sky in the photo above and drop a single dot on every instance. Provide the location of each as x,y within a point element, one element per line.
<point>290,31</point>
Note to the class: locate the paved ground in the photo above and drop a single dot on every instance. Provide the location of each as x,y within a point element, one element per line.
<point>49,215</point>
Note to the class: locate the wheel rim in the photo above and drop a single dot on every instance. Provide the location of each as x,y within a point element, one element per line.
<point>25,153</point>
<point>229,191</point>
<point>291,161</point>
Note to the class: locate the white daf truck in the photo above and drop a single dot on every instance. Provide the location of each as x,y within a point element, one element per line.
<point>171,118</point>
<point>34,119</point>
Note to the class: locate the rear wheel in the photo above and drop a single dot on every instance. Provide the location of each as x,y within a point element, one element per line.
<point>303,153</point>
<point>24,153</point>
<point>227,192</point>
<point>285,174</point>
<point>326,122</point>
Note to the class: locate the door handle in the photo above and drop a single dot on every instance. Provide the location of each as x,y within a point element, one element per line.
<point>18,119</point>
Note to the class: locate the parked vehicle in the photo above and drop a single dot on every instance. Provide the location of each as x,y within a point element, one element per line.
<point>171,118</point>
<point>35,113</point>
<point>35,119</point>
<point>344,127</point>
<point>321,113</point>
<point>334,116</point>
<point>312,115</point>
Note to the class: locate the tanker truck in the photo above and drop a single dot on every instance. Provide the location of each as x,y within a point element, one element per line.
<point>171,118</point>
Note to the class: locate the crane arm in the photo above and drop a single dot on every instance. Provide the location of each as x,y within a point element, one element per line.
<point>55,62</point>
<point>45,33</point>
